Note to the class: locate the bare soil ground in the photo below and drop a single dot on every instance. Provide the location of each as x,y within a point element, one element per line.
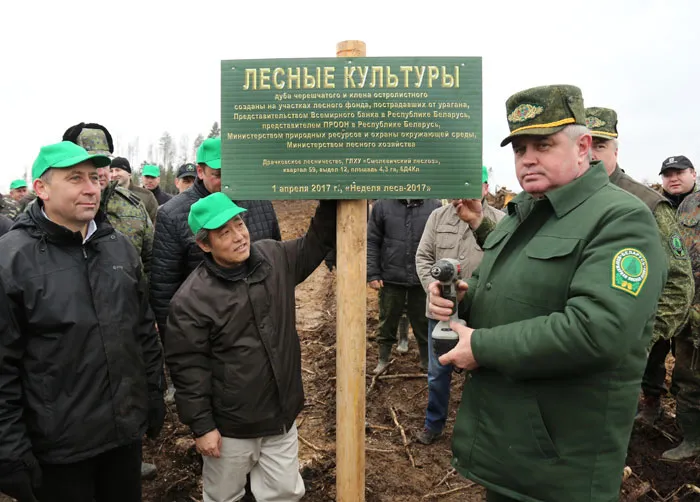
<point>391,477</point>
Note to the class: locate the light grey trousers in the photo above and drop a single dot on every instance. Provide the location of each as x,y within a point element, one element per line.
<point>273,464</point>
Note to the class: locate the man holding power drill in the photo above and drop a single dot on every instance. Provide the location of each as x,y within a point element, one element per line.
<point>559,316</point>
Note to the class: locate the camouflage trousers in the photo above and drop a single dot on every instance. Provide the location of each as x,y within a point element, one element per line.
<point>392,301</point>
<point>685,384</point>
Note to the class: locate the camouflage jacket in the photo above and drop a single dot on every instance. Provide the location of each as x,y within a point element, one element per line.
<point>8,207</point>
<point>689,218</point>
<point>127,214</point>
<point>672,312</point>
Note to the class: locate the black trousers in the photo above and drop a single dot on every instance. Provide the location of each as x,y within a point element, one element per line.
<point>112,476</point>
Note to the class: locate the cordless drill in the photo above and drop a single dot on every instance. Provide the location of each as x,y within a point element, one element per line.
<point>448,272</point>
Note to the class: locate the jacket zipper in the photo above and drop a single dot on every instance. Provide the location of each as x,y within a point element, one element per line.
<point>84,252</point>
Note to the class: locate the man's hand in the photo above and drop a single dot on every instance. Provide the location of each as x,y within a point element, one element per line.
<point>461,356</point>
<point>470,211</point>
<point>439,307</point>
<point>156,414</point>
<point>209,445</point>
<point>376,284</point>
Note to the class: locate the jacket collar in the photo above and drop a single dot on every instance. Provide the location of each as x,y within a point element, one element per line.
<point>616,175</point>
<point>35,223</point>
<point>255,268</point>
<point>566,198</point>
<point>199,188</point>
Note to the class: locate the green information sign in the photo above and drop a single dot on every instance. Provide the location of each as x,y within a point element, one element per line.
<point>355,128</point>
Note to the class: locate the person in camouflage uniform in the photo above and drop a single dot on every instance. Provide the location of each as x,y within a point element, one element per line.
<point>124,210</point>
<point>8,207</point>
<point>121,173</point>
<point>686,372</point>
<point>674,303</point>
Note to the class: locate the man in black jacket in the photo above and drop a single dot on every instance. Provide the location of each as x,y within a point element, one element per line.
<point>234,353</point>
<point>175,254</point>
<point>80,360</point>
<point>393,234</point>
<point>151,181</point>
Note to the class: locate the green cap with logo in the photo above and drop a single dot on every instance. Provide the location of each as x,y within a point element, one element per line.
<point>18,184</point>
<point>212,212</point>
<point>151,170</point>
<point>543,111</point>
<point>209,153</point>
<point>602,122</point>
<point>62,155</point>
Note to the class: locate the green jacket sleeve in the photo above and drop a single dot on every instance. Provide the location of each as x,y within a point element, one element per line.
<point>678,292</point>
<point>599,323</point>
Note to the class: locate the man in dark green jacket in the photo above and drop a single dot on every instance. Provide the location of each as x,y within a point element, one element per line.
<point>672,312</point>
<point>559,316</point>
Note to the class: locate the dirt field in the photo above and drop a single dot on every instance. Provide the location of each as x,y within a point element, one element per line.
<point>390,475</point>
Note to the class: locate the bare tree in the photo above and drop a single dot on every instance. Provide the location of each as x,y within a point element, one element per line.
<point>197,142</point>
<point>215,131</point>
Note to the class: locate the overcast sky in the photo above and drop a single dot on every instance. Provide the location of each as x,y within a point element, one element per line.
<point>142,68</point>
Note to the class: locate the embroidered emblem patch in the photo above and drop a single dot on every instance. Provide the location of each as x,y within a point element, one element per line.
<point>594,122</point>
<point>524,112</point>
<point>677,246</point>
<point>629,271</point>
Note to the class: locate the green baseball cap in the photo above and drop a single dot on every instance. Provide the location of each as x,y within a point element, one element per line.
<point>18,184</point>
<point>209,153</point>
<point>151,170</point>
<point>602,122</point>
<point>212,212</point>
<point>543,111</point>
<point>64,154</point>
<point>484,174</point>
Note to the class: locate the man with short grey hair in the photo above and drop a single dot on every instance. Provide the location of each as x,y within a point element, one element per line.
<point>558,316</point>
<point>672,311</point>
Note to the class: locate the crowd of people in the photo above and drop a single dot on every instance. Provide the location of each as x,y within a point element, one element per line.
<point>119,298</point>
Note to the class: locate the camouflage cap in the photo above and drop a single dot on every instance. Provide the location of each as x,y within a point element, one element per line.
<point>542,111</point>
<point>94,141</point>
<point>602,122</point>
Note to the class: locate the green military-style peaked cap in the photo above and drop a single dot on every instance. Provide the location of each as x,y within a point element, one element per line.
<point>602,122</point>
<point>542,111</point>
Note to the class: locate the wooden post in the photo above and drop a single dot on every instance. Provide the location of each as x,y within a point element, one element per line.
<point>351,296</point>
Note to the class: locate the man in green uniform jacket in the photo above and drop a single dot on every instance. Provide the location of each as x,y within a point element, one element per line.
<point>672,312</point>
<point>559,317</point>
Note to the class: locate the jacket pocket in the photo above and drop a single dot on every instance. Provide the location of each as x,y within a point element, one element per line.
<point>446,237</point>
<point>547,247</point>
<point>688,221</point>
<point>540,433</point>
<point>548,257</point>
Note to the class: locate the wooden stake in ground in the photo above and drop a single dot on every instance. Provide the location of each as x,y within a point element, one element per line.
<point>351,296</point>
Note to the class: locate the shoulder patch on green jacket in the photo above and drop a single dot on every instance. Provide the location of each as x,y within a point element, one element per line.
<point>676,245</point>
<point>629,271</point>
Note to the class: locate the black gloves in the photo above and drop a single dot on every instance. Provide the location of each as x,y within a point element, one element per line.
<point>19,479</point>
